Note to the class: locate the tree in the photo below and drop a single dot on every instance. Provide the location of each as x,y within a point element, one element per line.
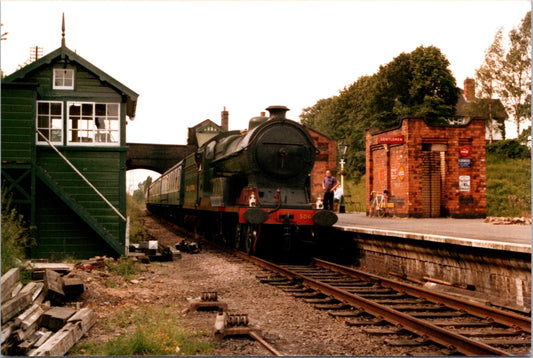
<point>413,84</point>
<point>515,77</point>
<point>139,195</point>
<point>487,76</point>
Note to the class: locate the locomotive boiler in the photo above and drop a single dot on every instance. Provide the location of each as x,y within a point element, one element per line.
<point>248,189</point>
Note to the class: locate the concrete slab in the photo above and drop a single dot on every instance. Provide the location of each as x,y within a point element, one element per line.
<point>467,232</point>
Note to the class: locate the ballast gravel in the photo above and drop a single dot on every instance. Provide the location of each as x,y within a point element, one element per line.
<point>290,325</point>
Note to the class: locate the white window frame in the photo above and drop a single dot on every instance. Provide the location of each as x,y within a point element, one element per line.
<point>63,78</point>
<point>94,133</point>
<point>52,119</point>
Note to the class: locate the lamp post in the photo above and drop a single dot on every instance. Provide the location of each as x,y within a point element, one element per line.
<point>342,147</point>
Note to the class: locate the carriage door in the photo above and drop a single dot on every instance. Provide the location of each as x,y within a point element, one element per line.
<point>433,172</point>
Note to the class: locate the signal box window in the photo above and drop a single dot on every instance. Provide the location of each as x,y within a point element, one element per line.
<point>93,123</point>
<point>50,121</point>
<point>63,78</point>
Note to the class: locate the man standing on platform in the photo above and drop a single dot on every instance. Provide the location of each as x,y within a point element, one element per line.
<point>329,185</point>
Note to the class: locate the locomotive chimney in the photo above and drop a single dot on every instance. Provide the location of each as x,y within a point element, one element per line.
<point>277,112</point>
<point>224,119</point>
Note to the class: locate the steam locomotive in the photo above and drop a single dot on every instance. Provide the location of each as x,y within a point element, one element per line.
<point>249,189</point>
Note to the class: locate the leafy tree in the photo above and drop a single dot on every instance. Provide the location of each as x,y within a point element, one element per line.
<point>139,195</point>
<point>515,77</point>
<point>413,84</point>
<point>486,87</point>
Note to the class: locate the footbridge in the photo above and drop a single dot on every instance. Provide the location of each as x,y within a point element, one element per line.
<point>156,157</point>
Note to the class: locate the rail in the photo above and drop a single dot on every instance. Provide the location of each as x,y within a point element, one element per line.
<point>439,335</point>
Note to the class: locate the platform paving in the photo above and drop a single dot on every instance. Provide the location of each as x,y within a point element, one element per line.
<point>467,232</point>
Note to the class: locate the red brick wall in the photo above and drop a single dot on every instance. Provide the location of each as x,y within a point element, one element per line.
<point>456,200</point>
<point>326,159</point>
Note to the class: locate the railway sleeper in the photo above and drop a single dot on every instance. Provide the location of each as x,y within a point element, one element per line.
<point>370,322</point>
<point>307,294</point>
<point>297,290</point>
<point>386,331</point>
<point>346,313</point>
<point>382,296</point>
<point>419,307</point>
<point>507,342</point>
<point>438,314</point>
<point>322,300</point>
<point>372,290</point>
<point>502,332</point>
<point>457,323</point>
<point>399,301</point>
<point>407,342</point>
<point>331,306</point>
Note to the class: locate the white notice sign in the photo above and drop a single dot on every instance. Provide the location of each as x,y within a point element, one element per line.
<point>464,182</point>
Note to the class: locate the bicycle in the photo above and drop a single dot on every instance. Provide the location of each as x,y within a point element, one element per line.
<point>378,204</point>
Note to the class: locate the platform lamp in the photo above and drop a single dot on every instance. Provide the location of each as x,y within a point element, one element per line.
<point>342,147</point>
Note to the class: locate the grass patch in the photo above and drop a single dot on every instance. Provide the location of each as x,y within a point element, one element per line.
<point>154,330</point>
<point>125,267</point>
<point>508,186</point>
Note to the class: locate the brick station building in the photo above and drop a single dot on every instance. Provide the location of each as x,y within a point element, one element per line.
<point>429,171</point>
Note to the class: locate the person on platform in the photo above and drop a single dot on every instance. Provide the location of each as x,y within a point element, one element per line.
<point>329,184</point>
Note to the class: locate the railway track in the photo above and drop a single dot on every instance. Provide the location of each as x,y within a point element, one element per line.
<point>411,316</point>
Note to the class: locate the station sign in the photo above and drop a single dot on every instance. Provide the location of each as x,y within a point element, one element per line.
<point>465,163</point>
<point>391,139</point>
<point>464,151</point>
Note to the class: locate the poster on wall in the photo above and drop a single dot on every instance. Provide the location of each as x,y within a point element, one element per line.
<point>464,183</point>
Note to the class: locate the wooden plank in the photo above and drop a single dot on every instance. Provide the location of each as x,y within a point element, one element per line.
<point>33,319</point>
<point>73,287</point>
<point>44,337</point>
<point>7,329</point>
<point>34,288</point>
<point>53,286</point>
<point>9,281</point>
<point>14,306</point>
<point>56,317</point>
<point>61,342</point>
<point>55,266</point>
<point>86,317</point>
<point>27,313</point>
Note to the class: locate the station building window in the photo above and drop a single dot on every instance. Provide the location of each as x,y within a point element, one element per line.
<point>63,79</point>
<point>50,121</point>
<point>93,123</point>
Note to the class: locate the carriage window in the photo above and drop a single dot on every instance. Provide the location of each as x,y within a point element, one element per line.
<point>93,123</point>
<point>50,121</point>
<point>63,78</point>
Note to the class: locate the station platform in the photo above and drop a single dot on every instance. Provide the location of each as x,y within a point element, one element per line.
<point>465,232</point>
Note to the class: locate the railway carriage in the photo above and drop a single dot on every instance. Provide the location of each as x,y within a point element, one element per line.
<point>249,190</point>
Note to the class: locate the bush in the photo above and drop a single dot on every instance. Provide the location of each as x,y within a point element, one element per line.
<point>134,209</point>
<point>15,236</point>
<point>509,148</point>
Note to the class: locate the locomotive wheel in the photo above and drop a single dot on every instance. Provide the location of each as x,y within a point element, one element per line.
<point>250,236</point>
<point>239,233</point>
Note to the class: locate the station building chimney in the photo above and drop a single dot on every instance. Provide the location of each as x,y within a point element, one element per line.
<point>224,119</point>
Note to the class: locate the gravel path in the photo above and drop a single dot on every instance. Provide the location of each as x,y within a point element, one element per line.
<point>288,324</point>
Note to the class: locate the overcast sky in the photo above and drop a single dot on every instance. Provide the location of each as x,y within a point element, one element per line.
<point>188,60</point>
